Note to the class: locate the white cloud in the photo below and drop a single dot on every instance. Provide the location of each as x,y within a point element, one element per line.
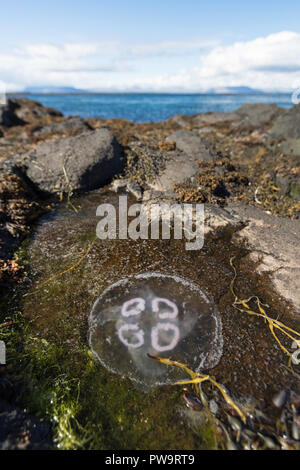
<point>82,65</point>
<point>268,63</point>
<point>169,48</point>
<point>277,50</point>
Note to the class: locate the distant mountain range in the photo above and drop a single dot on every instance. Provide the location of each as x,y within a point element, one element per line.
<point>51,89</point>
<point>243,90</point>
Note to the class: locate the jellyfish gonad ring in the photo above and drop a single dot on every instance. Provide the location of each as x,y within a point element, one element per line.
<point>157,314</point>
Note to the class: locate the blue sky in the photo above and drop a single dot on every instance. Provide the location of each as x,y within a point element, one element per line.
<point>165,45</point>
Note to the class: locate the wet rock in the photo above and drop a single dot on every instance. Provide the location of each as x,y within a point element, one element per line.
<point>268,441</point>
<point>295,431</point>
<point>20,431</point>
<point>235,423</point>
<point>280,398</point>
<point>213,406</point>
<point>257,114</point>
<point>80,163</point>
<point>191,144</point>
<point>192,402</point>
<point>287,125</point>
<point>274,243</point>
<point>73,126</point>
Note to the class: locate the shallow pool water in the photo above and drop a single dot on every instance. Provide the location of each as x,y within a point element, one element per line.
<point>124,299</point>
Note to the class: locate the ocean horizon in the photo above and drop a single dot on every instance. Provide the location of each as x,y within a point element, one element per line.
<point>145,107</point>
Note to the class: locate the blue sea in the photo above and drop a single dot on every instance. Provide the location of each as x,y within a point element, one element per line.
<point>151,107</point>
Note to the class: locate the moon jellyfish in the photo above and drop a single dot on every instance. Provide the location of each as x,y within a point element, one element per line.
<point>157,314</point>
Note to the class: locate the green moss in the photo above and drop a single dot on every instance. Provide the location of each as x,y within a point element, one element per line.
<point>22,255</point>
<point>87,406</point>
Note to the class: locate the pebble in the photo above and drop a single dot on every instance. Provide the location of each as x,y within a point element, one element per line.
<point>280,398</point>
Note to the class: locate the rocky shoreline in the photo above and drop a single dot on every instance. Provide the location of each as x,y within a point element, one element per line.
<point>248,157</point>
<point>243,165</point>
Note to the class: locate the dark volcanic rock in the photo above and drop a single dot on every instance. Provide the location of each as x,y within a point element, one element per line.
<point>80,163</point>
<point>288,124</point>
<point>8,115</point>
<point>29,110</point>
<point>191,144</point>
<point>178,120</point>
<point>21,111</point>
<point>72,126</point>
<point>213,118</point>
<point>183,164</point>
<point>257,114</point>
<point>179,167</point>
<point>18,209</point>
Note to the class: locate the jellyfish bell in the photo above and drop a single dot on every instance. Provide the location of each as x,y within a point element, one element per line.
<point>158,315</point>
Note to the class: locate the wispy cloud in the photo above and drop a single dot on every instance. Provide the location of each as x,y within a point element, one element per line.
<point>271,62</point>
<point>169,48</point>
